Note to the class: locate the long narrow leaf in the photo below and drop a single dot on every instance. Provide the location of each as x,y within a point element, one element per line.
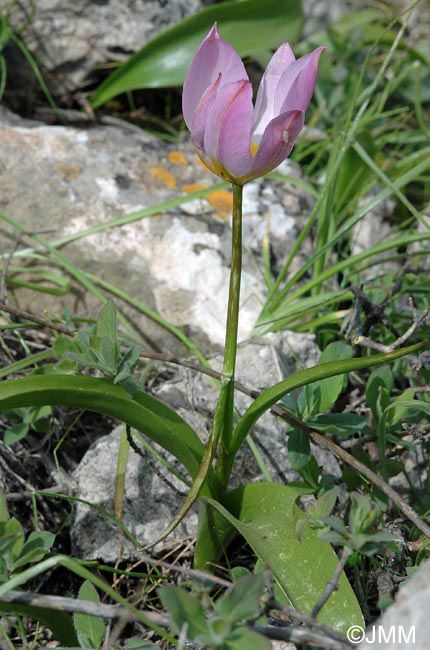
<point>60,623</point>
<point>90,281</point>
<point>400,241</point>
<point>65,263</point>
<point>30,360</point>
<point>272,395</point>
<point>416,164</point>
<point>143,412</point>
<point>124,220</point>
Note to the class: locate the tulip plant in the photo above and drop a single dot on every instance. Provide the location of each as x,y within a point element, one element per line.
<point>239,142</point>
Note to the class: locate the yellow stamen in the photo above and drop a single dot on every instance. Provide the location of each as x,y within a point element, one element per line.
<point>254,148</point>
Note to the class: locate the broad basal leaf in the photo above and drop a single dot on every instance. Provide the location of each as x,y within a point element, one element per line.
<point>266,515</point>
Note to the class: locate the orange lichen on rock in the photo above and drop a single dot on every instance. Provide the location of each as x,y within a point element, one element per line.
<point>222,201</point>
<point>67,171</point>
<point>177,158</point>
<point>193,187</point>
<point>164,176</point>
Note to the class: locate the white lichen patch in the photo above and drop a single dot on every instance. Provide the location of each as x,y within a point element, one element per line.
<point>108,189</point>
<point>51,142</point>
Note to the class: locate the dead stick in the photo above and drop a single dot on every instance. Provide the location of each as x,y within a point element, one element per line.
<point>301,635</point>
<point>332,584</point>
<point>65,604</point>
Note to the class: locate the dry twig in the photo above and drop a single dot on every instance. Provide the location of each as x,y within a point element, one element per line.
<point>298,634</point>
<point>332,584</point>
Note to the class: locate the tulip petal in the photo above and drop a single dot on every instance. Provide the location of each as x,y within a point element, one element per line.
<point>265,102</point>
<point>202,111</point>
<point>277,142</point>
<point>228,129</point>
<point>297,84</point>
<point>213,56</point>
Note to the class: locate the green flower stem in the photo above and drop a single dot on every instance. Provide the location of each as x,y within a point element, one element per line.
<point>234,290</point>
<point>222,427</point>
<point>224,416</point>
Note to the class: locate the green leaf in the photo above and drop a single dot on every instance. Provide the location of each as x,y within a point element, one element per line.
<point>143,412</point>
<point>184,609</point>
<point>244,639</point>
<point>266,515</point>
<point>371,26</point>
<point>109,351</point>
<point>249,25</point>
<point>321,395</point>
<point>311,473</point>
<point>399,408</point>
<point>393,467</point>
<point>214,534</point>
<point>43,281</point>
<point>414,404</point>
<point>106,321</point>
<point>401,442</point>
<point>272,395</point>
<point>238,572</point>
<point>12,540</point>
<point>63,344</point>
<point>299,449</point>
<point>381,378</point>
<point>242,600</point>
<point>35,548</point>
<point>15,433</point>
<point>362,513</point>
<point>341,424</point>
<point>58,622</point>
<point>324,505</point>
<point>4,513</point>
<point>91,630</point>
<point>127,364</point>
<point>26,362</point>
<point>353,173</point>
<point>219,630</point>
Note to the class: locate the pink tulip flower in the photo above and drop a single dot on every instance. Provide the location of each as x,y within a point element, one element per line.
<point>235,140</point>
